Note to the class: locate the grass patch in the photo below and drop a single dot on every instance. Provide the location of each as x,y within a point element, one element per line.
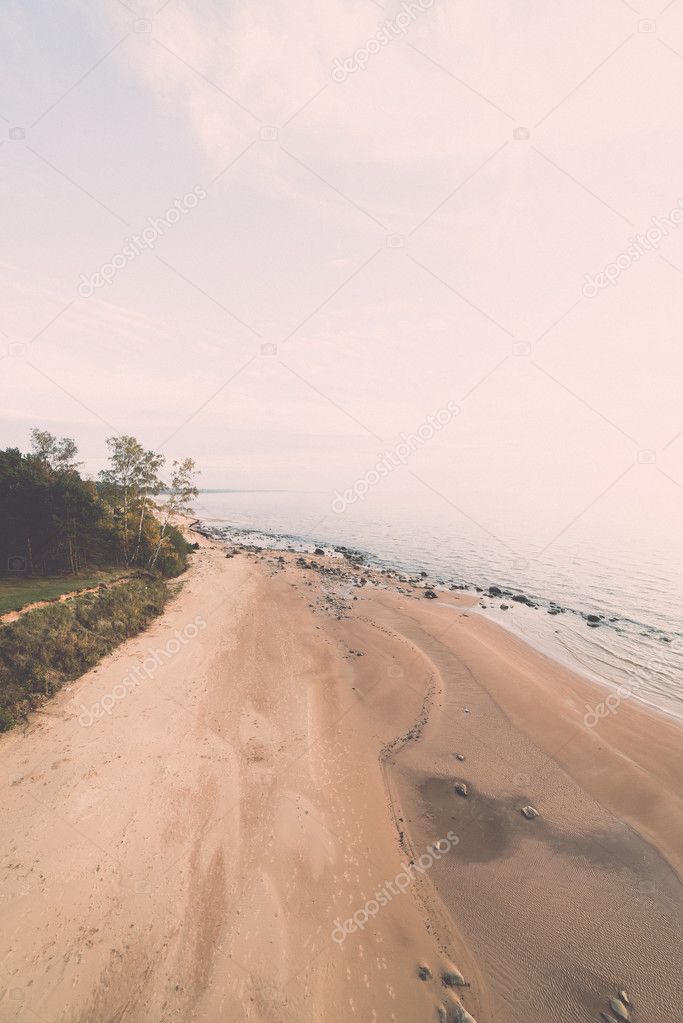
<point>50,646</point>
<point>16,593</point>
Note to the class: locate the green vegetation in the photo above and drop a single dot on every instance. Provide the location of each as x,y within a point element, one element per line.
<point>60,533</point>
<point>52,645</point>
<point>16,593</point>
<point>54,522</point>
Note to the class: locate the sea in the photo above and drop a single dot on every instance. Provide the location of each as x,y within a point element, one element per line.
<point>636,590</point>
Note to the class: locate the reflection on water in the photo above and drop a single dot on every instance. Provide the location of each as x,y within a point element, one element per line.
<point>639,595</point>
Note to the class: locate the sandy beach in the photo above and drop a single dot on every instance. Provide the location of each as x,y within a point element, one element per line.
<point>262,824</point>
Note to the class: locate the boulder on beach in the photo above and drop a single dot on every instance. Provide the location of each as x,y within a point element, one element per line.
<point>530,812</point>
<point>423,972</point>
<point>495,591</point>
<point>458,1013</point>
<point>461,789</point>
<point>619,1009</point>
<point>453,978</point>
<point>430,594</point>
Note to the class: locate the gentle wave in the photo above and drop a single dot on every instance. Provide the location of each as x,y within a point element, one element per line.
<point>638,642</point>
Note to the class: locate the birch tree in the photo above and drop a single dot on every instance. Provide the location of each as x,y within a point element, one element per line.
<point>125,457</point>
<point>181,491</point>
<point>149,484</point>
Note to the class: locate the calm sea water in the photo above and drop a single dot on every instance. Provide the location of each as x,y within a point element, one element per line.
<point>638,645</point>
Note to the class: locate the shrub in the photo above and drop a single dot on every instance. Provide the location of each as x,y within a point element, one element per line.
<point>52,645</point>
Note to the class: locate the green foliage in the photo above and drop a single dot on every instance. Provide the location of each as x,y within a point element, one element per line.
<point>172,557</point>
<point>54,522</point>
<point>52,645</point>
<point>16,592</point>
<point>59,532</point>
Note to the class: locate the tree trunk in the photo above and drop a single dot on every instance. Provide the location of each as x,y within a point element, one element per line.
<point>153,559</point>
<point>142,515</point>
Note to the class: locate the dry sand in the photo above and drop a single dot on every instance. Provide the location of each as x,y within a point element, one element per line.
<point>190,855</point>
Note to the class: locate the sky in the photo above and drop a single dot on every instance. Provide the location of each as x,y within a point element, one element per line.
<point>392,207</point>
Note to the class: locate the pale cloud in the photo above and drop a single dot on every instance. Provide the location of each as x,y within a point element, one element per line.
<point>494,233</point>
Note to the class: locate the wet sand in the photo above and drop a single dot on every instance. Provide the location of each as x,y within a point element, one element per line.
<point>202,851</point>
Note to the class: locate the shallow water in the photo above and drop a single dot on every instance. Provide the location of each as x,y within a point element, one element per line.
<point>639,643</point>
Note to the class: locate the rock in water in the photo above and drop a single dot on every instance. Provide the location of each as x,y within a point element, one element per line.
<point>529,812</point>
<point>619,1009</point>
<point>453,978</point>
<point>461,789</point>
<point>423,972</point>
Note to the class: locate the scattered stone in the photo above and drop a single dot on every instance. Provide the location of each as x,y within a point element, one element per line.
<point>430,594</point>
<point>441,1014</point>
<point>625,998</point>
<point>423,972</point>
<point>592,618</point>
<point>453,978</point>
<point>495,591</point>
<point>318,551</point>
<point>619,1009</point>
<point>460,756</point>
<point>461,789</point>
<point>529,812</point>
<point>608,1018</point>
<point>458,1013</point>
<point>504,607</point>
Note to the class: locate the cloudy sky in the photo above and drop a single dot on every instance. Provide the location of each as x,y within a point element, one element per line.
<point>401,205</point>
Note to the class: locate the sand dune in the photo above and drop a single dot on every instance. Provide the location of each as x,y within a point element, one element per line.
<point>251,832</point>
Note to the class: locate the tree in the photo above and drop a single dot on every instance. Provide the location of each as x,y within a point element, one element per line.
<point>58,455</point>
<point>120,481</point>
<point>180,493</point>
<point>149,483</point>
<point>49,513</point>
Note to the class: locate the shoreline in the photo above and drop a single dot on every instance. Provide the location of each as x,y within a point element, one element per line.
<point>542,644</point>
<point>298,752</point>
<point>669,713</point>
